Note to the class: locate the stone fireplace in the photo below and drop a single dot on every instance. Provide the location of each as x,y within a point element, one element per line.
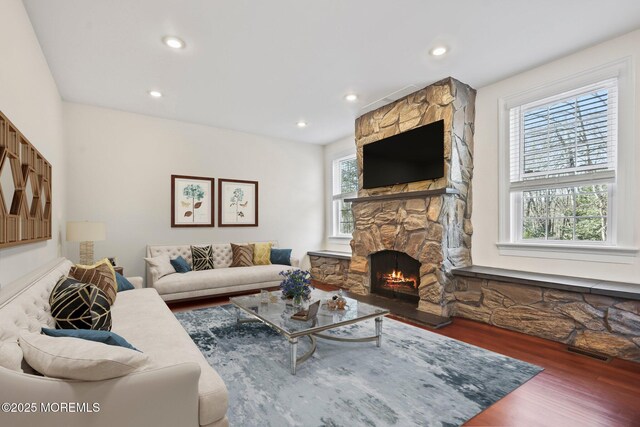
<point>427,221</point>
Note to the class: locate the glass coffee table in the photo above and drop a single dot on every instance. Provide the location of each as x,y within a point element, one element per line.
<point>277,314</point>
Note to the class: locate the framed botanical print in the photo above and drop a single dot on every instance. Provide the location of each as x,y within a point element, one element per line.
<point>191,201</point>
<point>237,203</point>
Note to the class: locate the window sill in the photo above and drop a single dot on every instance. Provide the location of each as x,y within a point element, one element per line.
<point>340,238</point>
<point>609,254</point>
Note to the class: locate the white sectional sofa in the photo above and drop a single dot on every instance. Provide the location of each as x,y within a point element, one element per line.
<point>222,279</point>
<point>178,389</point>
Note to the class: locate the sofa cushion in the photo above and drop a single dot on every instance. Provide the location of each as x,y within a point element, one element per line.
<point>142,318</point>
<point>242,255</point>
<point>77,359</point>
<point>181,265</point>
<point>160,266</point>
<point>76,305</point>
<point>202,257</point>
<point>281,256</point>
<point>261,253</point>
<point>100,274</point>
<point>105,337</point>
<point>220,278</point>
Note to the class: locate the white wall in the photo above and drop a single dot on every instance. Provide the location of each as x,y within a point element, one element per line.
<point>120,167</point>
<point>340,148</point>
<point>485,179</point>
<point>30,99</point>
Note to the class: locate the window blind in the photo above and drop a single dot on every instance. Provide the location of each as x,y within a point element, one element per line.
<point>565,139</point>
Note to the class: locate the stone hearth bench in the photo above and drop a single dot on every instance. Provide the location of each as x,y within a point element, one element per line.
<point>595,315</point>
<point>331,267</point>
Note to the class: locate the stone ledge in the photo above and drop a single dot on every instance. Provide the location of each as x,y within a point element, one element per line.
<point>552,281</point>
<point>405,195</point>
<point>330,254</point>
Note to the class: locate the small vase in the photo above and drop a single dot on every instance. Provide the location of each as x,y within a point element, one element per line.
<point>298,302</point>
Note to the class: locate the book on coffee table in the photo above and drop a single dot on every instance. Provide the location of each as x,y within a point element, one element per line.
<point>307,314</point>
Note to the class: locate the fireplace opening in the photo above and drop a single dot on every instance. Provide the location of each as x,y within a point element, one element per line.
<point>395,275</point>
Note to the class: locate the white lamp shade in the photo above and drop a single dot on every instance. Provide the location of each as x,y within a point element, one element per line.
<point>85,231</point>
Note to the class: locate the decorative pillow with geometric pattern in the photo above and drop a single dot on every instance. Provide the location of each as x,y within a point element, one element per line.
<point>77,305</point>
<point>100,274</point>
<point>202,257</point>
<point>242,255</point>
<point>262,253</point>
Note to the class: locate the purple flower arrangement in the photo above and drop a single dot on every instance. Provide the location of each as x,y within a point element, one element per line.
<point>296,285</point>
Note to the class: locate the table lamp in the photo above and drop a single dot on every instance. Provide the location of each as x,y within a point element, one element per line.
<point>86,233</point>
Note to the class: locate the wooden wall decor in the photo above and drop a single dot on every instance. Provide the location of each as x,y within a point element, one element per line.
<point>25,189</point>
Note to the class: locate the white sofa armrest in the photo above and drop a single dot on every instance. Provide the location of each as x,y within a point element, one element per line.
<point>136,281</point>
<point>165,396</point>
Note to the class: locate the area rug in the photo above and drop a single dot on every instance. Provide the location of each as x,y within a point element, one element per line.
<point>417,378</point>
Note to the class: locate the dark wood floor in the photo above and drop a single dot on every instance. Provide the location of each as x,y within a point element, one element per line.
<point>573,390</point>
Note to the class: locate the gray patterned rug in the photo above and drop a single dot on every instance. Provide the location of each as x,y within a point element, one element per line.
<point>417,378</point>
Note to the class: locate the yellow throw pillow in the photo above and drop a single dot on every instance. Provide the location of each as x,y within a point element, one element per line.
<point>262,253</point>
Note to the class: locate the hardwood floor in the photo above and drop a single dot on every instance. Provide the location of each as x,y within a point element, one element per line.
<point>573,390</point>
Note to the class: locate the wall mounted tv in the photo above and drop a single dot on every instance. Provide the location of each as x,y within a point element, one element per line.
<point>414,155</point>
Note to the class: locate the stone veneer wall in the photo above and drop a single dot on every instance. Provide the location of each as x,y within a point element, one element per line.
<point>332,271</point>
<point>597,323</point>
<point>434,230</point>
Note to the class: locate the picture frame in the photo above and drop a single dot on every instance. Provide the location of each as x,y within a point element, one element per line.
<point>192,199</point>
<point>237,203</point>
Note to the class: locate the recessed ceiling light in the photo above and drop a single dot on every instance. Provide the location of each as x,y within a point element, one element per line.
<point>351,97</point>
<point>301,124</point>
<point>173,42</point>
<point>155,94</point>
<point>438,51</point>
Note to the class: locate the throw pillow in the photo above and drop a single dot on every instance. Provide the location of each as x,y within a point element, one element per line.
<point>242,255</point>
<point>281,256</point>
<point>76,359</point>
<point>261,253</point>
<point>160,266</point>
<point>76,305</point>
<point>100,274</point>
<point>181,265</point>
<point>202,257</point>
<point>123,283</point>
<point>105,337</point>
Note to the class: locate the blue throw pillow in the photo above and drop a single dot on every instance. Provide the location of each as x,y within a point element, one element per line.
<point>281,256</point>
<point>123,283</point>
<point>180,265</point>
<point>105,337</point>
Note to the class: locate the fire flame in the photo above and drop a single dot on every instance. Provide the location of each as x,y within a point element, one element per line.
<point>397,278</point>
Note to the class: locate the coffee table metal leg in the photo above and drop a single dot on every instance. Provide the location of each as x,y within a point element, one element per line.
<point>293,354</point>
<point>379,331</point>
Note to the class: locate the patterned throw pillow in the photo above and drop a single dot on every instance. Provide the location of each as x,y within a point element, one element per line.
<point>261,253</point>
<point>76,305</point>
<point>242,255</point>
<point>101,274</point>
<point>202,257</point>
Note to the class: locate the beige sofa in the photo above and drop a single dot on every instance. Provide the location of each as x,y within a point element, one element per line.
<point>178,389</point>
<point>222,279</point>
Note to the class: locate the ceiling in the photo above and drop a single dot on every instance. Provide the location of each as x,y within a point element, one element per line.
<point>261,66</point>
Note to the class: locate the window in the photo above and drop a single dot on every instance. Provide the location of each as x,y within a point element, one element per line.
<point>563,164</point>
<point>345,185</point>
<point>566,168</point>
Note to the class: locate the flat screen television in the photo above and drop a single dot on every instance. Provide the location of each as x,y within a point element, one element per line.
<point>414,155</point>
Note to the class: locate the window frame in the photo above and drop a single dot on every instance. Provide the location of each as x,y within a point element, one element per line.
<point>336,196</point>
<point>619,244</point>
